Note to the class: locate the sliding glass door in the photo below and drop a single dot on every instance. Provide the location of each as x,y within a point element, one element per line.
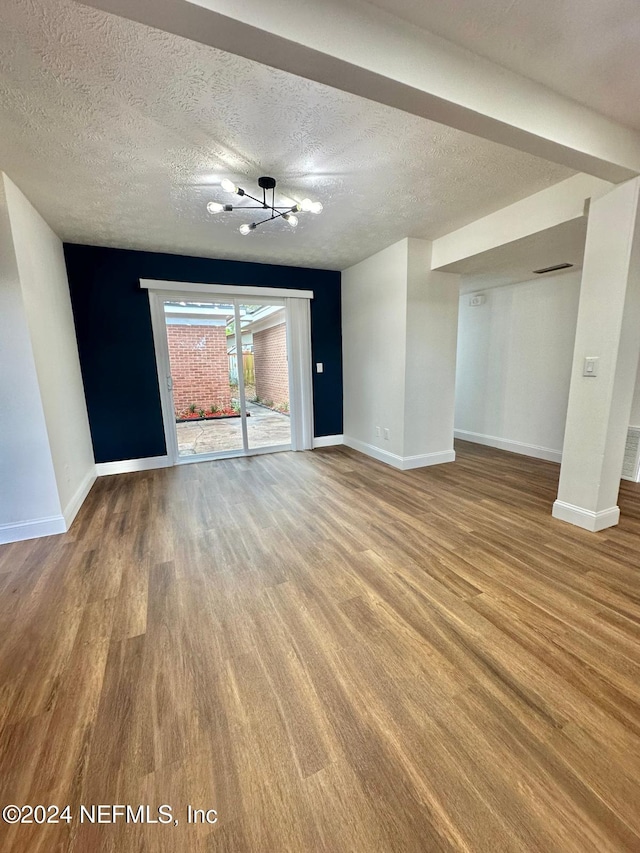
<point>266,375</point>
<point>228,389</point>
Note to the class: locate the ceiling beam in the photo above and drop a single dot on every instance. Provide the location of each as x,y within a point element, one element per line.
<point>357,48</point>
<point>544,210</point>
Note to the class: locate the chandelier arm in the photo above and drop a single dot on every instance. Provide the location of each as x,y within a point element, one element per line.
<point>271,218</point>
<point>253,198</point>
<point>287,210</point>
<point>262,221</point>
<point>250,207</point>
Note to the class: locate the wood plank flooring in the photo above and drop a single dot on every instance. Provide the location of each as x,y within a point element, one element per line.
<point>334,655</point>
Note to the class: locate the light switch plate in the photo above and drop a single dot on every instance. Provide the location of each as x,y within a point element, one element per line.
<point>590,366</point>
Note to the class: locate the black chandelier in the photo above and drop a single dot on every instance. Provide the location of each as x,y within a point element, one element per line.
<point>287,213</point>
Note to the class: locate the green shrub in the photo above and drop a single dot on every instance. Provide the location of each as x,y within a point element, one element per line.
<point>192,407</point>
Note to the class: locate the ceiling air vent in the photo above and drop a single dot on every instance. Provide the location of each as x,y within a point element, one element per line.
<point>553,269</point>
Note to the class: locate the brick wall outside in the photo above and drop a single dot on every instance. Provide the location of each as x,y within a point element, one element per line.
<point>271,368</point>
<point>199,366</point>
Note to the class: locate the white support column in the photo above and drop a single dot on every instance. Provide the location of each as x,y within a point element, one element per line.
<point>608,330</point>
<point>399,331</point>
<point>430,360</point>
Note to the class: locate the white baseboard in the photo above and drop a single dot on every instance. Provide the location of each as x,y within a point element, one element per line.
<point>78,499</point>
<point>34,529</point>
<point>375,452</point>
<point>586,518</point>
<point>328,441</point>
<point>52,525</point>
<point>404,463</point>
<point>126,466</point>
<point>520,447</point>
<point>426,459</point>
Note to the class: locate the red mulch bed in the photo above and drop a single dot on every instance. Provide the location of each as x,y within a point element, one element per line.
<point>207,416</point>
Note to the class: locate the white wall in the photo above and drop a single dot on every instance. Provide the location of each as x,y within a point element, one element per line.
<point>46,457</point>
<point>45,293</point>
<point>514,365</point>
<point>432,326</point>
<point>29,501</point>
<point>374,326</point>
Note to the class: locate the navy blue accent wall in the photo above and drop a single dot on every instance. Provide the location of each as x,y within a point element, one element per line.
<point>115,339</point>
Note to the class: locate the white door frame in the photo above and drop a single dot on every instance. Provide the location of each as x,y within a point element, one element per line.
<point>300,381</point>
<point>161,346</point>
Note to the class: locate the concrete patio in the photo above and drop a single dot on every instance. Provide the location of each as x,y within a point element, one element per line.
<point>265,428</point>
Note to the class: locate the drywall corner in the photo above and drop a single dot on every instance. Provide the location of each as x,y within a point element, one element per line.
<point>47,307</point>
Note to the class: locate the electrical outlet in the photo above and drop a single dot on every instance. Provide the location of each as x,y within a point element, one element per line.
<point>387,434</point>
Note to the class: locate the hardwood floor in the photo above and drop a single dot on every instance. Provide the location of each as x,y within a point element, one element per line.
<point>334,655</point>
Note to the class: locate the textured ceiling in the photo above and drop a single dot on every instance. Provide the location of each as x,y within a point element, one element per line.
<point>119,134</point>
<point>584,49</point>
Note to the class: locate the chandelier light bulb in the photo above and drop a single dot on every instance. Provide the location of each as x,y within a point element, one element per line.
<point>247,229</point>
<point>291,219</point>
<point>316,207</point>
<point>228,186</point>
<point>306,204</point>
<point>215,207</point>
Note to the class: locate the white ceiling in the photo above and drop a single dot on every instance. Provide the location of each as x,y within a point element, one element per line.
<point>119,135</point>
<point>585,49</point>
